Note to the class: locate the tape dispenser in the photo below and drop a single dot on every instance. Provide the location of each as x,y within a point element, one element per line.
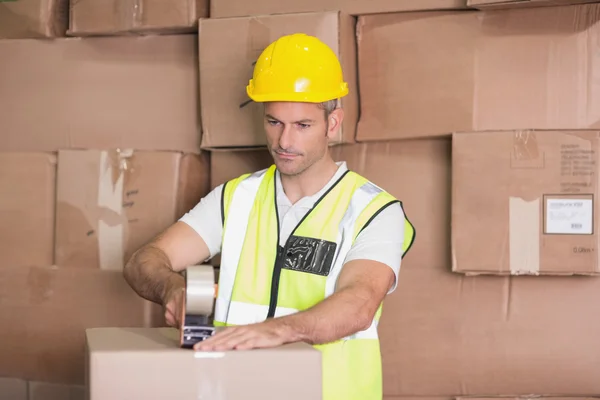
<point>198,305</point>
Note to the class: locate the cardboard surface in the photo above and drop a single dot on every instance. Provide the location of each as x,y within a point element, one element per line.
<point>229,48</point>
<point>111,203</point>
<point>27,201</point>
<point>13,389</point>
<point>33,19</point>
<point>472,71</point>
<point>500,4</point>
<point>443,333</point>
<point>44,312</point>
<point>90,17</point>
<point>529,198</point>
<point>110,92</point>
<point>417,172</point>
<point>53,391</point>
<point>243,8</point>
<point>506,397</point>
<point>226,165</point>
<point>123,365</point>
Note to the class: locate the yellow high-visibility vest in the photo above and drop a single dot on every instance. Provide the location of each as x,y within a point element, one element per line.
<point>259,279</point>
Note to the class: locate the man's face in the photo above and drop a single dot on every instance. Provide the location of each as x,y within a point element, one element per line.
<point>298,134</point>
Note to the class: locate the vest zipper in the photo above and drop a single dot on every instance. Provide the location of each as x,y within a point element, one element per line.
<point>275,280</point>
<point>280,256</point>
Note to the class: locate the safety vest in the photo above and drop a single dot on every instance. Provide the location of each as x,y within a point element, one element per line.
<point>260,279</point>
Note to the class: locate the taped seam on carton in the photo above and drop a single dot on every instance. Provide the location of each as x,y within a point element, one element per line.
<point>110,196</point>
<point>209,375</point>
<point>524,237</point>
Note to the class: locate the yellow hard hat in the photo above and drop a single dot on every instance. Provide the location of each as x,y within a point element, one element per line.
<point>298,68</point>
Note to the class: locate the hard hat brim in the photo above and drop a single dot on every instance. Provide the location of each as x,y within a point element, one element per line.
<point>299,97</point>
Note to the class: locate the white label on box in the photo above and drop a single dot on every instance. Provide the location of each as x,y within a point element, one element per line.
<point>569,216</point>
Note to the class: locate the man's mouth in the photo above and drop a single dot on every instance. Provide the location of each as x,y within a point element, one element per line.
<point>283,154</point>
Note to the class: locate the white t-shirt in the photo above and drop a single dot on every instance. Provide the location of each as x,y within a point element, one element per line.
<point>380,241</point>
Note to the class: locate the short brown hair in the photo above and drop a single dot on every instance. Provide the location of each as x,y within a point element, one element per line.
<point>329,106</point>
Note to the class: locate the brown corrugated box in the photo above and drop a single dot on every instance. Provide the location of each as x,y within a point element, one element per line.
<point>123,364</point>
<point>229,47</point>
<point>55,391</point>
<point>226,165</point>
<point>417,172</point>
<point>500,4</point>
<point>33,19</point>
<point>530,397</point>
<point>244,8</point>
<point>13,389</point>
<point>415,398</point>
<point>444,333</point>
<point>524,202</point>
<point>44,312</point>
<point>127,92</point>
<point>110,203</point>
<point>431,74</point>
<point>27,202</point>
<point>92,17</point>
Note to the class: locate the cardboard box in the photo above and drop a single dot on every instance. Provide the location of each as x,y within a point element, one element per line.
<point>541,397</point>
<point>99,93</point>
<point>524,202</point>
<point>449,72</point>
<point>226,165</point>
<point>44,312</point>
<point>111,203</point>
<point>13,389</point>
<point>415,398</point>
<point>33,19</point>
<point>418,173</point>
<point>500,4</point>
<point>90,17</point>
<point>54,391</point>
<point>244,8</point>
<point>229,47</point>
<point>27,202</point>
<point>489,334</point>
<point>122,364</point>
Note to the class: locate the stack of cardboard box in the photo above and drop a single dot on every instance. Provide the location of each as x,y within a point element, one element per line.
<point>486,111</point>
<point>99,153</point>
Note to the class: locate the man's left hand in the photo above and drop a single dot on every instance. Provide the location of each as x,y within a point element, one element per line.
<point>261,335</point>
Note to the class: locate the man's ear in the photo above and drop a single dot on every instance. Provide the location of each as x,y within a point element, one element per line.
<point>334,122</point>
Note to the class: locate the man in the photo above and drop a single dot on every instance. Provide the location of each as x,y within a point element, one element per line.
<point>309,249</point>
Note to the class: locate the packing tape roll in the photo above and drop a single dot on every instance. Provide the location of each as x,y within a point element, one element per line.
<point>200,290</point>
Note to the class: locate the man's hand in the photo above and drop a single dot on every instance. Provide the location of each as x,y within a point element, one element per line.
<point>173,307</point>
<point>271,333</point>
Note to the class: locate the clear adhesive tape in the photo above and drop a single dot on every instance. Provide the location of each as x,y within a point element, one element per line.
<point>200,290</point>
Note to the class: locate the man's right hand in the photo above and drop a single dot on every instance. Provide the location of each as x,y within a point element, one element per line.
<point>173,307</point>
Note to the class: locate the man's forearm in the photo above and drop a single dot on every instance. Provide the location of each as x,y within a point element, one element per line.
<point>150,275</point>
<point>344,313</point>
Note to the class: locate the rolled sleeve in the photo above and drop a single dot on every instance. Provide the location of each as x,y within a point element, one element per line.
<point>205,219</point>
<point>382,240</point>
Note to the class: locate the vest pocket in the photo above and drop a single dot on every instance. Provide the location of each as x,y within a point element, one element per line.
<point>314,256</point>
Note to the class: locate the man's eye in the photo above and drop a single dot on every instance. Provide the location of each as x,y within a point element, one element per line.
<point>303,126</point>
<point>271,122</point>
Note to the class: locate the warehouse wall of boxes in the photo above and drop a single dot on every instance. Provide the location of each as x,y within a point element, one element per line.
<point>482,116</point>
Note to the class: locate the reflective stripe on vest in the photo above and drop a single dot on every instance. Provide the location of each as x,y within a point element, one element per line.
<point>260,279</point>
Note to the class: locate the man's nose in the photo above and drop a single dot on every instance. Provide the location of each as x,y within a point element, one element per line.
<point>285,138</point>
